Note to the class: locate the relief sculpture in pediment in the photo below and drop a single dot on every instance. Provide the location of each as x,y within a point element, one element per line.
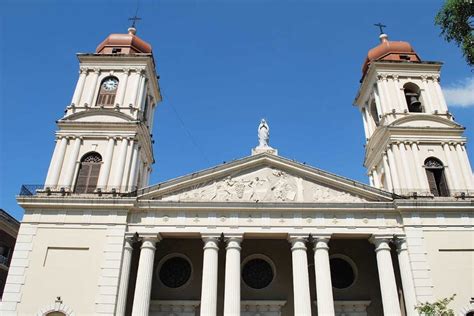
<point>262,185</point>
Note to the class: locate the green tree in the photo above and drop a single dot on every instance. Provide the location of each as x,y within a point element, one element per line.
<point>438,308</point>
<point>454,20</point>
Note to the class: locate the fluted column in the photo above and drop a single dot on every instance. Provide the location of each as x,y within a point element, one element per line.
<point>71,165</point>
<point>406,167</point>
<point>209,276</point>
<point>301,297</point>
<point>124,277</point>
<point>95,79</point>
<point>105,170</point>
<point>366,124</point>
<point>388,286</point>
<point>426,95</point>
<point>136,93</point>
<point>376,178</point>
<point>232,277</point>
<point>439,92</point>
<point>123,86</point>
<point>406,275</point>
<point>141,299</point>
<point>76,98</point>
<point>58,163</point>
<point>325,301</point>
<point>393,169</point>
<point>132,185</point>
<point>386,170</point>
<point>400,168</point>
<point>119,170</point>
<point>451,169</point>
<point>465,165</point>
<point>419,168</point>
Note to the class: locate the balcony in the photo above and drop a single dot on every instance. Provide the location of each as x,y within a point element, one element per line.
<point>31,190</point>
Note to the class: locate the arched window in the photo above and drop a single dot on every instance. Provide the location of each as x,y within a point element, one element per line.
<point>88,173</point>
<point>436,179</point>
<point>470,313</point>
<point>107,92</point>
<point>412,96</point>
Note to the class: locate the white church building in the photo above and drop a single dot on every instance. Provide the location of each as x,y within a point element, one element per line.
<point>259,236</point>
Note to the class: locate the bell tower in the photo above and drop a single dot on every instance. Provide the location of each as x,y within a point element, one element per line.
<point>414,146</point>
<point>104,141</point>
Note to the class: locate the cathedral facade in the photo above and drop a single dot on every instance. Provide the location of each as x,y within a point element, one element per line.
<point>262,235</point>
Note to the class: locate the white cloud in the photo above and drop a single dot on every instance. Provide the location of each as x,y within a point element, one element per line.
<point>461,94</point>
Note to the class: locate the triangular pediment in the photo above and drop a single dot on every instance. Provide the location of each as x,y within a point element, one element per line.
<point>264,178</point>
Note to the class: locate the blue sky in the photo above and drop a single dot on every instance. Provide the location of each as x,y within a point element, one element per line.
<point>223,65</point>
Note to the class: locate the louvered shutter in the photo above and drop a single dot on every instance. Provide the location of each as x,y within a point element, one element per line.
<point>82,178</point>
<point>432,182</point>
<point>443,186</point>
<point>93,177</point>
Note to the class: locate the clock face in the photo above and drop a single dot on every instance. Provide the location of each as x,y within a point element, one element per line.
<point>110,84</point>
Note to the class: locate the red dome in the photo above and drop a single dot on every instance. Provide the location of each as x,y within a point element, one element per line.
<point>124,44</point>
<point>388,50</point>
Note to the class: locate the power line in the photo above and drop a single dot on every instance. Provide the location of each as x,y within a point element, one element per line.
<point>193,140</point>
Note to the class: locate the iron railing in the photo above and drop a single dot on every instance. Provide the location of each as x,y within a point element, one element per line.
<point>63,190</point>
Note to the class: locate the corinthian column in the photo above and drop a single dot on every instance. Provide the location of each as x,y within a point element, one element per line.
<point>95,79</point>
<point>209,276</point>
<point>232,277</point>
<point>76,98</point>
<point>119,170</point>
<point>302,300</point>
<point>141,299</point>
<point>105,170</point>
<point>322,269</point>
<point>124,277</point>
<point>71,165</point>
<point>388,286</point>
<point>58,158</point>
<point>406,276</point>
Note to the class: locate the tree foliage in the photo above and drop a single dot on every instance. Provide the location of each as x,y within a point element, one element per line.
<point>438,308</point>
<point>455,19</point>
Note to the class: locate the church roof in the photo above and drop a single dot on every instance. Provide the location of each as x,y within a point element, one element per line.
<point>260,178</point>
<point>124,44</point>
<point>390,51</point>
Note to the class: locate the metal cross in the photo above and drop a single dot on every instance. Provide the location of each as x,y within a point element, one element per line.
<point>134,19</point>
<point>380,26</point>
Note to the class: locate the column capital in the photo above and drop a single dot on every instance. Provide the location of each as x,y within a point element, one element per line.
<point>211,241</point>
<point>298,241</point>
<point>321,241</point>
<point>233,242</point>
<point>381,242</point>
<point>401,242</point>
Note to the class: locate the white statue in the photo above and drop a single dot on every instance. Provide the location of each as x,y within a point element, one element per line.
<point>263,134</point>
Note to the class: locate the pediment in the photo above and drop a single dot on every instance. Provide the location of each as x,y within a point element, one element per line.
<point>424,120</point>
<point>264,178</point>
<point>99,115</point>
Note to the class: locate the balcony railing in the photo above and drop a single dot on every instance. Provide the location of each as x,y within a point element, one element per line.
<point>63,190</point>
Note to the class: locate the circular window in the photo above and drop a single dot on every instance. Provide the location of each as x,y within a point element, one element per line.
<point>342,273</point>
<point>175,272</point>
<point>257,273</point>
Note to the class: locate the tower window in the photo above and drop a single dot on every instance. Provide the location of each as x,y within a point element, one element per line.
<point>412,96</point>
<point>436,179</point>
<point>107,92</point>
<point>88,173</point>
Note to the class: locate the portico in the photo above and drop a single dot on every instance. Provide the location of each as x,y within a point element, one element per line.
<point>228,249</point>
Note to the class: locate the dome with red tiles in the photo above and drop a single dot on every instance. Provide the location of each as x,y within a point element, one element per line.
<point>127,44</point>
<point>390,50</point>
